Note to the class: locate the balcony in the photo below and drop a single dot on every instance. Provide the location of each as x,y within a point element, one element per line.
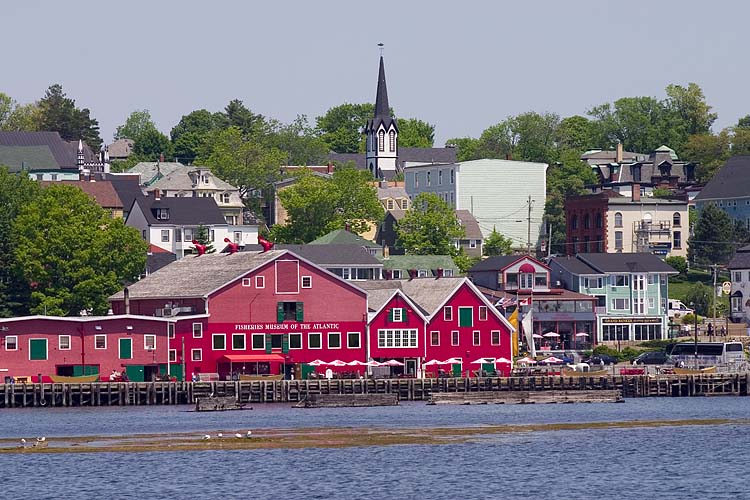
<point>647,226</point>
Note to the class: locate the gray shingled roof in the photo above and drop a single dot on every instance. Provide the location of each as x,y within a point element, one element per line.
<point>153,170</point>
<point>179,179</point>
<point>328,255</point>
<point>573,265</point>
<point>427,294</point>
<point>626,263</point>
<point>741,259</point>
<point>64,156</point>
<point>394,192</point>
<point>732,181</point>
<point>197,276</point>
<point>495,263</point>
<point>121,148</point>
<point>470,224</point>
<point>377,298</point>
<point>183,211</point>
<point>410,155</point>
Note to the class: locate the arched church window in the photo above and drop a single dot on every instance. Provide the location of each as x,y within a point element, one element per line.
<point>392,140</point>
<point>381,140</point>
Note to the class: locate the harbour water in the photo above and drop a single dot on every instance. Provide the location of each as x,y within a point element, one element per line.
<point>671,462</point>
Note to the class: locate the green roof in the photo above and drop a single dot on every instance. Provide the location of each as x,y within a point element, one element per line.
<point>343,237</point>
<point>406,262</point>
<point>667,149</point>
<point>32,158</point>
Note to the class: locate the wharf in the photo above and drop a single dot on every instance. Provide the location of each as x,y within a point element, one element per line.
<point>294,391</point>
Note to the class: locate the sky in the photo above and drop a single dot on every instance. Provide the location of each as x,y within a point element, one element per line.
<point>461,66</point>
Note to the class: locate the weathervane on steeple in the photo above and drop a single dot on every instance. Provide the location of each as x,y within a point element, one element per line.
<point>380,45</point>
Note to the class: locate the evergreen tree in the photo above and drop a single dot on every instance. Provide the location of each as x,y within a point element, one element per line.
<point>203,237</point>
<point>712,239</point>
<point>59,113</point>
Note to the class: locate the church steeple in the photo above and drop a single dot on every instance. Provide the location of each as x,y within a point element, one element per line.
<point>382,110</point>
<point>382,132</point>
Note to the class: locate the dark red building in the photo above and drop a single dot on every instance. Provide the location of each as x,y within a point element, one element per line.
<point>586,219</point>
<point>253,313</point>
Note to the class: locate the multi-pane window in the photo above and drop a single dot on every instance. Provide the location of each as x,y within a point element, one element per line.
<point>618,219</point>
<point>454,337</point>
<point>397,338</point>
<point>677,239</point>
<point>149,342</point>
<point>196,354</point>
<point>219,341</point>
<point>295,341</point>
<point>434,338</point>
<point>353,340</point>
<point>381,140</point>
<point>620,280</point>
<point>315,340</point>
<point>11,343</point>
<point>647,332</point>
<point>258,341</point>
<point>618,240</point>
<point>164,235</point>
<point>238,341</point>
<point>620,304</point>
<point>475,337</point>
<point>197,330</point>
<point>100,341</point>
<point>63,342</point>
<point>615,332</point>
<point>639,282</point>
<point>334,340</point>
<point>482,313</point>
<point>392,140</point>
<point>495,337</point>
<point>397,314</point>
<point>526,280</point>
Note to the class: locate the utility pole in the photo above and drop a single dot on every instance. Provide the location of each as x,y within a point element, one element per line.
<point>528,228</point>
<point>713,294</point>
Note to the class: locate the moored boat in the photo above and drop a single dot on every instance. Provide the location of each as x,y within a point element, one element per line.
<point>82,379</point>
<point>692,371</point>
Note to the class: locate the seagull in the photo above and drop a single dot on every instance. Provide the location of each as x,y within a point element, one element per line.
<point>238,435</point>
<point>220,435</point>
<point>23,441</point>
<point>206,436</point>
<point>249,434</point>
<point>41,439</point>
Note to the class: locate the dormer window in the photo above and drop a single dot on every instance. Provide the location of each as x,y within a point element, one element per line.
<point>224,198</point>
<point>381,140</point>
<point>162,213</point>
<point>665,169</point>
<point>636,173</point>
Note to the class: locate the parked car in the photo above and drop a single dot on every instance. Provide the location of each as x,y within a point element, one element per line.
<point>676,309</point>
<point>651,358</point>
<point>601,359</point>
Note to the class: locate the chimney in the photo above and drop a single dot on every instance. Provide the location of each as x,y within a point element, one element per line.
<point>618,156</point>
<point>387,274</point>
<point>412,274</point>
<point>329,168</point>
<point>386,252</point>
<point>126,294</point>
<point>161,158</point>
<point>439,273</point>
<point>636,192</point>
<point>348,227</point>
<point>156,194</point>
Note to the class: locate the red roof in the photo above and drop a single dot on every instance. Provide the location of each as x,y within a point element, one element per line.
<point>154,249</point>
<point>251,358</point>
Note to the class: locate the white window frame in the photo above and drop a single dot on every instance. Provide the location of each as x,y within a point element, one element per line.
<point>165,235</point>
<point>482,312</point>
<point>472,243</point>
<point>260,282</point>
<point>435,344</point>
<point>246,282</point>
<point>398,338</point>
<point>455,337</point>
<point>252,342</point>
<point>105,342</point>
<point>449,310</point>
<point>146,337</point>
<point>15,342</point>
<point>492,337</point>
<point>170,330</point>
<point>398,314</point>
<point>476,337</point>
<point>396,274</point>
<point>422,273</point>
<point>652,302</point>
<point>199,334</point>
<point>319,335</point>
<point>359,340</point>
<point>331,335</point>
<point>295,335</point>
<point>213,341</point>
<point>309,281</point>
<point>173,355</point>
<point>625,301</point>
<point>60,342</point>
<point>199,352</point>
<point>244,341</point>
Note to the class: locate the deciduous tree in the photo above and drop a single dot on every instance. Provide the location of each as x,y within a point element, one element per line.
<point>73,254</point>
<point>341,127</point>
<point>429,227</point>
<point>415,133</point>
<point>136,124</point>
<point>497,244</point>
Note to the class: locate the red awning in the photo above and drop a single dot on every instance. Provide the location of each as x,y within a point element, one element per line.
<point>251,358</point>
<point>526,268</point>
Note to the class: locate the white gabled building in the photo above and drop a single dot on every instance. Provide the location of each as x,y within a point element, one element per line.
<point>739,274</point>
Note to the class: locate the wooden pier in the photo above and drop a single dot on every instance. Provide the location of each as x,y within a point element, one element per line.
<point>348,400</point>
<point>284,391</point>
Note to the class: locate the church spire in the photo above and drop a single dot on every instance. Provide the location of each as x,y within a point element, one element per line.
<point>382,109</point>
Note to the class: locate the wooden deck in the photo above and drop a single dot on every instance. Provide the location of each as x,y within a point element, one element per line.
<point>283,391</point>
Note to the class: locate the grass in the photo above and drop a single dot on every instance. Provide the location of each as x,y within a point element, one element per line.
<point>679,286</point>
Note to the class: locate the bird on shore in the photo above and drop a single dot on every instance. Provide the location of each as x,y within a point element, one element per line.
<point>206,436</point>
<point>220,435</point>
<point>41,439</point>
<point>249,434</point>
<point>238,435</point>
<point>23,442</point>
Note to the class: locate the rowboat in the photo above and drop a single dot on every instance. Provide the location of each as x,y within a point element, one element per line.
<point>82,379</point>
<point>691,371</point>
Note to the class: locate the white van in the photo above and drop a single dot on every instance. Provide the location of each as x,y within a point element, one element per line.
<point>677,309</point>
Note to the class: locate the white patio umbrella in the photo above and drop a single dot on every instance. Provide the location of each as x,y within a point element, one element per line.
<point>582,334</point>
<point>502,360</point>
<point>526,361</point>
<point>337,362</point>
<point>483,361</point>
<point>453,361</point>
<point>374,363</point>
<point>537,336</point>
<point>551,334</point>
<point>551,360</point>
<point>356,362</point>
<point>392,362</point>
<point>432,362</point>
<point>317,362</point>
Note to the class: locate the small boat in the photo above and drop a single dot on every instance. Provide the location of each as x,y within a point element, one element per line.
<point>597,373</point>
<point>691,371</point>
<point>82,379</point>
<point>218,403</point>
